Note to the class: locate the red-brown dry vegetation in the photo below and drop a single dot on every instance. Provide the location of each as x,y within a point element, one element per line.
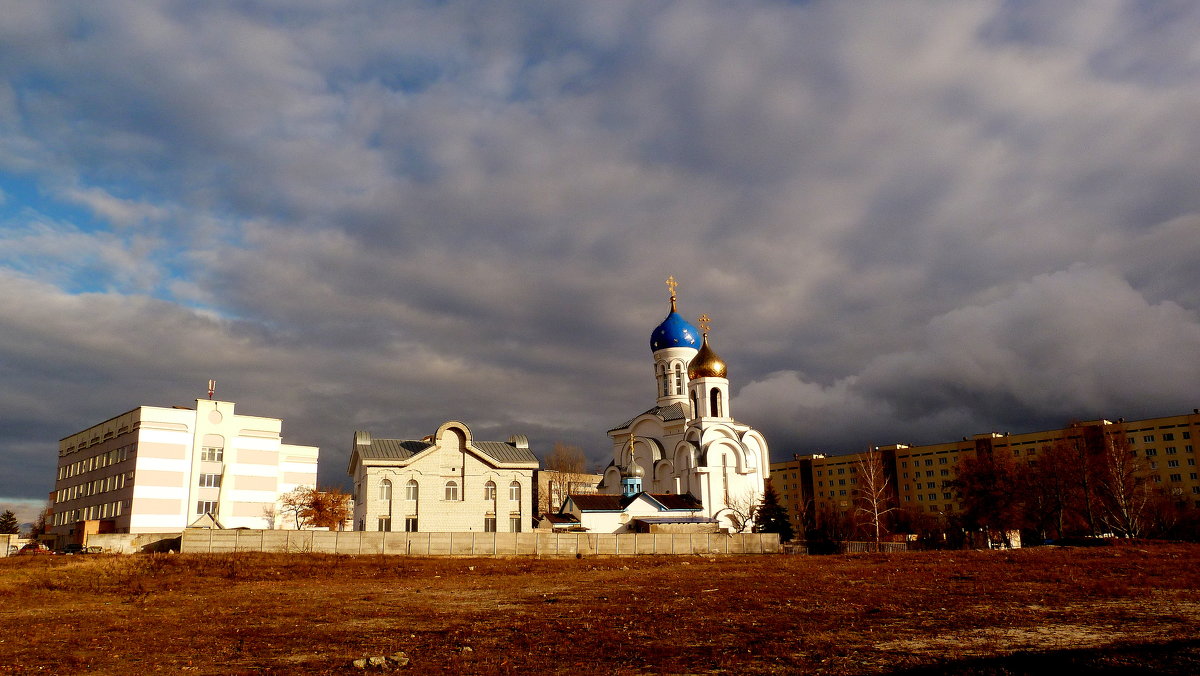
<point>1108,609</point>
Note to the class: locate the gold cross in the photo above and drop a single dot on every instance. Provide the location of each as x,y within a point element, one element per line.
<point>704,320</point>
<point>671,284</point>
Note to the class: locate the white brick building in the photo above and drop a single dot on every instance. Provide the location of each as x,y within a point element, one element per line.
<point>446,482</point>
<point>157,469</point>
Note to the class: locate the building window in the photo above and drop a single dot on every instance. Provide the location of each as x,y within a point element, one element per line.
<point>1168,436</point>
<point>714,400</point>
<point>385,490</point>
<point>514,491</point>
<point>489,524</point>
<point>1172,463</point>
<point>514,524</point>
<point>942,461</point>
<point>451,490</point>
<point>1148,438</point>
<point>212,454</point>
<point>210,480</point>
<point>489,491</point>
<point>410,524</point>
<point>1176,478</point>
<point>678,379</point>
<point>1170,450</point>
<point>411,490</point>
<point>385,524</point>
<point>206,507</point>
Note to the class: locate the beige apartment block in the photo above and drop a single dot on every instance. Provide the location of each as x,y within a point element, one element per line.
<point>446,482</point>
<point>922,477</point>
<point>153,470</point>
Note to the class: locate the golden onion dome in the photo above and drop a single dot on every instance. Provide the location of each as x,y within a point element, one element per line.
<point>706,363</point>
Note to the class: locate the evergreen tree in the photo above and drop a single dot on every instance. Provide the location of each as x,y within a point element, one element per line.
<point>8,522</point>
<point>772,517</point>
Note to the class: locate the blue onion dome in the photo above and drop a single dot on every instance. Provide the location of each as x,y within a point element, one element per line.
<point>674,331</point>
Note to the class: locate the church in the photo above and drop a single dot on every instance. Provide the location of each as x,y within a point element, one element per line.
<point>687,446</point>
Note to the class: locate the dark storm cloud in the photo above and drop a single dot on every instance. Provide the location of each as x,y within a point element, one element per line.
<point>907,221</point>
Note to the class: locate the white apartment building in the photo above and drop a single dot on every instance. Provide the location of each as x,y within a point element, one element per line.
<point>446,482</point>
<point>157,469</point>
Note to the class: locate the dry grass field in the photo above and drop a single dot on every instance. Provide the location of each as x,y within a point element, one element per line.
<point>1121,609</point>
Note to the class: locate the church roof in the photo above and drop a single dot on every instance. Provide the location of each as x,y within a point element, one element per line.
<point>600,503</point>
<point>676,501</point>
<point>664,413</point>
<point>617,503</point>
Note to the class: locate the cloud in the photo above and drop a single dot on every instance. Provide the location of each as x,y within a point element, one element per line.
<point>907,221</point>
<point>1076,344</point>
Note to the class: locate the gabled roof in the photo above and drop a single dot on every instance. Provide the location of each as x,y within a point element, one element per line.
<point>366,448</point>
<point>664,413</point>
<point>618,503</point>
<point>675,501</point>
<point>600,503</point>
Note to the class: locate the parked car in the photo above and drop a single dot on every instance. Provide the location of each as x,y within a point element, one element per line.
<point>73,548</point>
<point>35,548</point>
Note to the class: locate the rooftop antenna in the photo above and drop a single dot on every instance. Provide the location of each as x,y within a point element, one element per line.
<point>212,388</point>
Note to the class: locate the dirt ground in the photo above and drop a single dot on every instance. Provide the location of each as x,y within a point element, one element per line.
<point>1120,609</point>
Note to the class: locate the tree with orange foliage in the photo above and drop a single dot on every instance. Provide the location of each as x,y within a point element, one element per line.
<point>312,508</point>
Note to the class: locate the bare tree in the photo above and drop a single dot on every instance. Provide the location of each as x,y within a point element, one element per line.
<point>269,512</point>
<point>741,510</point>
<point>293,503</point>
<point>564,458</point>
<point>1124,495</point>
<point>875,495</point>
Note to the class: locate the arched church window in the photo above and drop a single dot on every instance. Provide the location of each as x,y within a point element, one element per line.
<point>489,490</point>
<point>695,405</point>
<point>714,402</point>
<point>514,491</point>
<point>678,379</point>
<point>451,490</point>
<point>385,490</point>
<point>411,490</point>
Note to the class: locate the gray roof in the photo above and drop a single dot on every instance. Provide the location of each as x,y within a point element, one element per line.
<point>502,451</point>
<point>403,449</point>
<point>665,413</point>
<point>391,449</point>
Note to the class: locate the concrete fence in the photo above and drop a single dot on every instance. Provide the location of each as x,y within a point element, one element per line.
<point>197,540</point>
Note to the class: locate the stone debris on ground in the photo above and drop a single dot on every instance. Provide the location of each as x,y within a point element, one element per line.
<point>397,659</point>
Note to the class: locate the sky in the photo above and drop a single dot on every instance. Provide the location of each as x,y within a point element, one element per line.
<point>909,222</point>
